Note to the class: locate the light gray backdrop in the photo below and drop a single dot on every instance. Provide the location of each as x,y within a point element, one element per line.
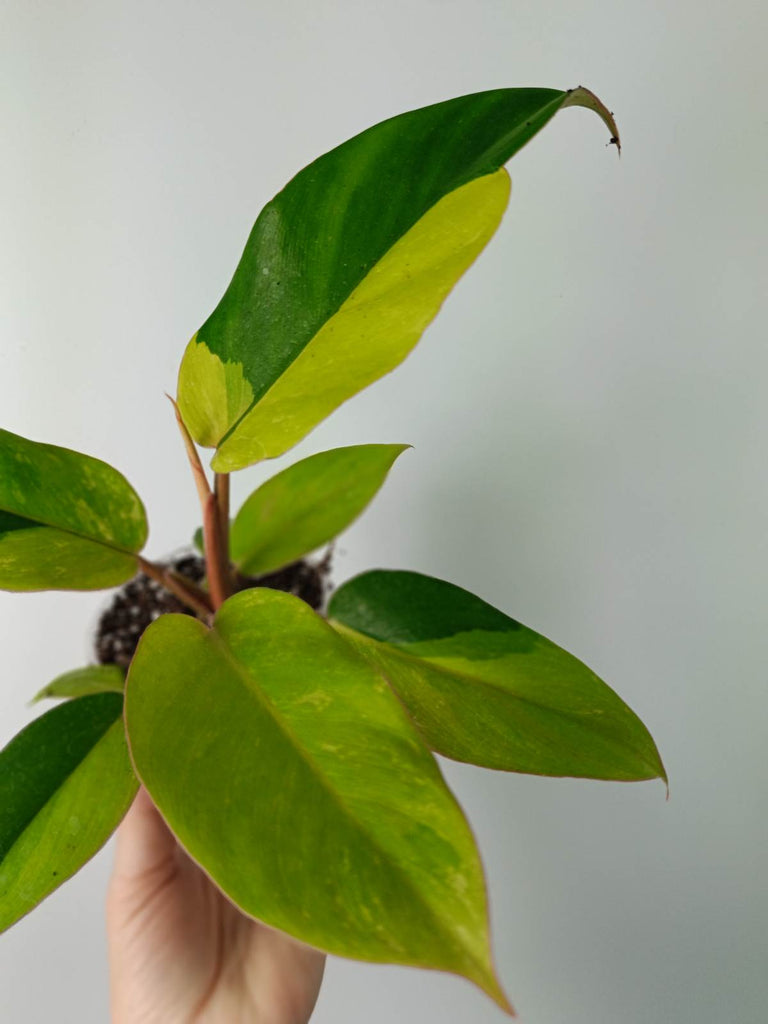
<point>588,418</point>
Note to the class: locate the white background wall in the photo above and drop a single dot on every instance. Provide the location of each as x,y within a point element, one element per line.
<point>588,416</point>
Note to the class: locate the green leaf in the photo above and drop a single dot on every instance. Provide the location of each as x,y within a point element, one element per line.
<point>308,504</point>
<point>289,770</point>
<point>346,267</point>
<point>483,688</point>
<point>67,521</point>
<point>81,682</point>
<point>65,784</point>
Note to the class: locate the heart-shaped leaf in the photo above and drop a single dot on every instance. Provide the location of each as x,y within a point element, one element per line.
<point>307,504</point>
<point>484,689</point>
<point>346,267</point>
<point>82,682</point>
<point>67,521</point>
<point>289,770</point>
<point>65,784</point>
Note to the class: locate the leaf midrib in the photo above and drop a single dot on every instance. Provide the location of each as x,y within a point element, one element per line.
<point>488,685</point>
<point>283,725</point>
<point>470,174</point>
<point>37,524</point>
<point>52,796</point>
<point>293,520</point>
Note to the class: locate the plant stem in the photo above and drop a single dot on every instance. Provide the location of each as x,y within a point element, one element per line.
<point>221,490</point>
<point>215,560</point>
<point>215,506</point>
<point>186,591</point>
<point>201,480</point>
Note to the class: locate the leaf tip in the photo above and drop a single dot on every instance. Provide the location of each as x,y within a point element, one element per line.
<point>661,771</point>
<point>400,449</point>
<point>664,778</point>
<point>581,97</point>
<point>489,982</point>
<point>480,969</point>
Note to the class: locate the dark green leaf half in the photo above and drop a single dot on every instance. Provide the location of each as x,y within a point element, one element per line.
<point>65,783</point>
<point>82,682</point>
<point>308,504</point>
<point>346,267</point>
<point>67,521</point>
<point>289,770</point>
<point>483,688</point>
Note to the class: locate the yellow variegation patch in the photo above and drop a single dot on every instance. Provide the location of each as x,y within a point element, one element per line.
<point>376,327</point>
<point>213,394</point>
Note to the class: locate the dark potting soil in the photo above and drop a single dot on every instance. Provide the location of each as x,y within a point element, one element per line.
<point>142,600</point>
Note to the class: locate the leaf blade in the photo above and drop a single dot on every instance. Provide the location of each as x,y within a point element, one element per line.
<point>82,682</point>
<point>316,243</point>
<point>39,558</point>
<point>484,689</point>
<point>376,328</point>
<point>307,505</point>
<point>57,811</point>
<point>67,521</point>
<point>331,773</point>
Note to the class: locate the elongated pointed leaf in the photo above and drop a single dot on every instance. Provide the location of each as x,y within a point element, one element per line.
<point>483,688</point>
<point>65,783</point>
<point>82,682</point>
<point>67,521</point>
<point>289,770</point>
<point>307,505</point>
<point>346,267</point>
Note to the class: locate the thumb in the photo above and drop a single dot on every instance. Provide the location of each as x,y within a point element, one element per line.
<point>145,844</point>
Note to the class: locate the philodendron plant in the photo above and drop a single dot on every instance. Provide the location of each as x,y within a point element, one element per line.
<point>289,749</point>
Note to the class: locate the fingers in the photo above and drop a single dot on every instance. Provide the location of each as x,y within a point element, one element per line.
<point>145,844</point>
<point>285,975</point>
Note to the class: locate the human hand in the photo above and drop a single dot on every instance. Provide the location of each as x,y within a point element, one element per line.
<point>181,953</point>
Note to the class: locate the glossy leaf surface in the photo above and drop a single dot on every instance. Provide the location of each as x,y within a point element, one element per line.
<point>67,521</point>
<point>65,783</point>
<point>346,267</point>
<point>307,504</point>
<point>483,688</point>
<point>82,682</point>
<point>289,770</point>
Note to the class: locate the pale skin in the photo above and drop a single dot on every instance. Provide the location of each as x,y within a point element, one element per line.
<point>181,953</point>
